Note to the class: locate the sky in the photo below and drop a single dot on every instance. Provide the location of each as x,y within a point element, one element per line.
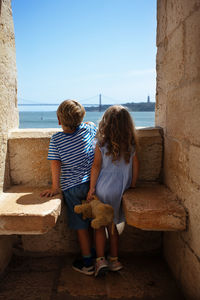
<point>78,49</point>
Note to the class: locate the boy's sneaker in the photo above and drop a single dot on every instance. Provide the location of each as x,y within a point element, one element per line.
<point>79,266</point>
<point>114,265</point>
<point>101,267</point>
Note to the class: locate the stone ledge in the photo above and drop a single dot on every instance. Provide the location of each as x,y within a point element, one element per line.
<point>153,207</point>
<point>23,211</point>
<point>29,133</point>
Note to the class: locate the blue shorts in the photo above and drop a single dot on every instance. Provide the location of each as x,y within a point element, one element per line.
<point>74,196</point>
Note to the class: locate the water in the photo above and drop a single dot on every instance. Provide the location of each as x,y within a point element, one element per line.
<point>48,119</point>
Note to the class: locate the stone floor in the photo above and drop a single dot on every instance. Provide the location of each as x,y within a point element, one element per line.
<point>52,278</point>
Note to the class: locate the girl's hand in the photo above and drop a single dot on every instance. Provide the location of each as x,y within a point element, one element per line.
<point>90,194</point>
<point>50,192</point>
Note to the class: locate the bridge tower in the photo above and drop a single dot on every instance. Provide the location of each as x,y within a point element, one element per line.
<point>99,102</point>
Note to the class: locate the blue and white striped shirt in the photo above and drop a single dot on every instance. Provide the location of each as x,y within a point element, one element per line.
<point>76,153</point>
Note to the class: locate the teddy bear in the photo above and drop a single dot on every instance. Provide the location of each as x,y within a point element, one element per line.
<point>102,214</point>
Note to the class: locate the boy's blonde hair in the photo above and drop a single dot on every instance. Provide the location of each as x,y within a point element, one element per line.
<point>117,131</point>
<point>70,113</point>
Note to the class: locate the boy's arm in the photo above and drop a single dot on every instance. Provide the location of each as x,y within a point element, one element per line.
<point>135,171</point>
<point>95,170</point>
<point>55,173</point>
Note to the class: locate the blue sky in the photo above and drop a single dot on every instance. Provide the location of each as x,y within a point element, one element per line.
<point>80,48</point>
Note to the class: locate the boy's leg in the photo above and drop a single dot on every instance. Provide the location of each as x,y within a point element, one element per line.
<point>84,265</point>
<point>84,241</point>
<point>72,197</point>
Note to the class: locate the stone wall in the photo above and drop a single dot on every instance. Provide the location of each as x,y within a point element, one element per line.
<point>178,113</point>
<point>8,86</point>
<point>28,150</point>
<point>8,107</point>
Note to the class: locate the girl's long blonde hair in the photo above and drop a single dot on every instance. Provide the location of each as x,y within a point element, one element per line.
<point>117,131</point>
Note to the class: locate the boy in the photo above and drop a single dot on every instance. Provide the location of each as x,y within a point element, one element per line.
<point>71,153</point>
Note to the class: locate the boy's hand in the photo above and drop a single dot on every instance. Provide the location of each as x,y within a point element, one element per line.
<point>50,192</point>
<point>90,194</point>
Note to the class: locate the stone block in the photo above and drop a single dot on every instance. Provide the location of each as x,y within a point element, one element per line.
<point>24,211</point>
<point>192,204</point>
<point>171,14</point>
<point>6,243</point>
<point>170,61</point>
<point>176,157</point>
<point>28,166</point>
<point>8,75</point>
<point>136,241</point>
<point>183,111</point>
<point>194,155</point>
<point>175,15</point>
<point>161,21</point>
<point>150,154</point>
<point>60,240</point>
<point>192,46</point>
<point>160,111</point>
<point>153,207</point>
<point>184,264</point>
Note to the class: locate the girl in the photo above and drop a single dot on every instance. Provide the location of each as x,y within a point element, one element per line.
<point>115,169</point>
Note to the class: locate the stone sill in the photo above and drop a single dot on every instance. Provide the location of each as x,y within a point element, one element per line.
<point>29,133</point>
<point>23,211</point>
<point>154,207</point>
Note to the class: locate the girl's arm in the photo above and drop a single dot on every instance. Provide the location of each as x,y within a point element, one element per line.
<point>95,170</point>
<point>55,172</point>
<point>135,171</point>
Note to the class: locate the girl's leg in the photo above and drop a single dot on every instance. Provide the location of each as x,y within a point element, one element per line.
<point>114,264</point>
<point>114,238</point>
<point>100,240</point>
<point>101,265</point>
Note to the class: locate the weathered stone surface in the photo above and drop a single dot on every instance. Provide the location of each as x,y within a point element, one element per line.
<point>136,241</point>
<point>150,153</point>
<point>194,155</point>
<point>184,263</point>
<point>23,211</point>
<point>176,158</point>
<point>170,62</point>
<point>171,13</point>
<point>153,208</point>
<point>31,167</point>
<point>192,46</point>
<point>8,89</point>
<point>8,86</point>
<point>142,278</point>
<point>178,79</point>
<point>59,240</point>
<point>161,21</point>
<point>6,243</point>
<point>160,113</point>
<point>183,111</point>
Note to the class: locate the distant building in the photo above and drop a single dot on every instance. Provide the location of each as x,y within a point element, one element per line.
<point>148,99</point>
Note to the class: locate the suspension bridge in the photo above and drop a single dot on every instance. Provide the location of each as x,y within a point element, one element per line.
<point>91,101</point>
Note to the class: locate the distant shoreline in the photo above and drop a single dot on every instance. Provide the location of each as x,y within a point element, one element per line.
<point>141,106</point>
<point>132,106</point>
